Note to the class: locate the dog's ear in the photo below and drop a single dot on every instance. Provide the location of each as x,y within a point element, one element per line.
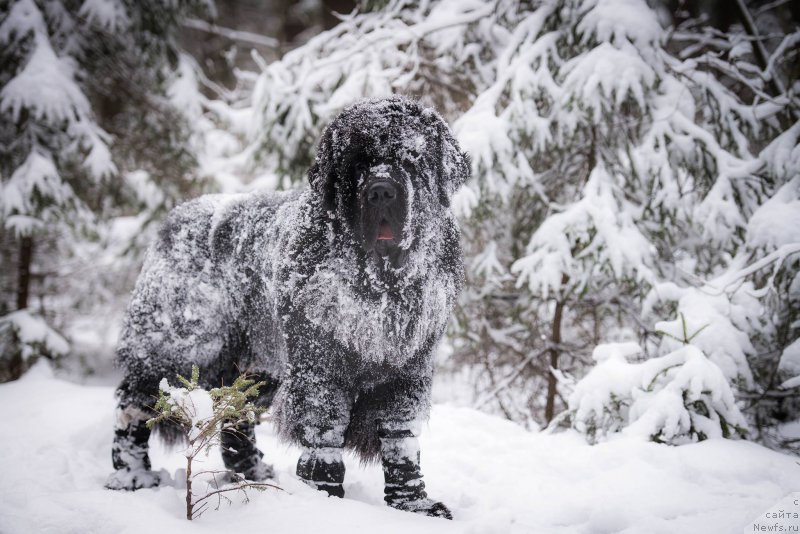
<point>454,165</point>
<point>322,174</point>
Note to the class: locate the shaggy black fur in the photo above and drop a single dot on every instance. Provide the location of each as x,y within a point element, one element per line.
<point>337,296</point>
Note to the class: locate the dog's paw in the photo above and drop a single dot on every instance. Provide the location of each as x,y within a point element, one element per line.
<point>132,479</point>
<point>333,489</point>
<point>424,506</point>
<point>258,472</point>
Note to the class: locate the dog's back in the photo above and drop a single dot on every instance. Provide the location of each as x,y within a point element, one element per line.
<point>196,280</point>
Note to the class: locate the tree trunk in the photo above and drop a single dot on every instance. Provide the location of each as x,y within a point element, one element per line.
<point>555,337</point>
<point>189,503</point>
<point>24,271</point>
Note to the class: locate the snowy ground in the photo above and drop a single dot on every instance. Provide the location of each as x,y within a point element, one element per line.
<point>497,478</point>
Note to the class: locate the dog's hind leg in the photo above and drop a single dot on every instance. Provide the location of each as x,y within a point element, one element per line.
<point>130,447</point>
<point>238,444</point>
<point>322,468</point>
<point>240,454</point>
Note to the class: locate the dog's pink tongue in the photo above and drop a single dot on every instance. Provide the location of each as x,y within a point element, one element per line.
<point>385,233</point>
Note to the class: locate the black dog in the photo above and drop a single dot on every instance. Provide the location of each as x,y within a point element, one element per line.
<point>336,295</point>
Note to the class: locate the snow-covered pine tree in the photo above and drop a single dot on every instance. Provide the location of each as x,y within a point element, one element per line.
<point>47,130</point>
<point>87,132</point>
<point>676,134</point>
<point>676,398</point>
<point>736,257</point>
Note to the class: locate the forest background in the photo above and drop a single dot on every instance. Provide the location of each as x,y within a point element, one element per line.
<point>632,225</point>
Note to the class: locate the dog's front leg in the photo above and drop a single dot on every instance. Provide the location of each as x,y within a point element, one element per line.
<point>321,466</point>
<point>400,457</point>
<point>315,413</point>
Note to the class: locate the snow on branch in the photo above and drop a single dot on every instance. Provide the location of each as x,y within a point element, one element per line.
<point>677,398</point>
<point>46,87</point>
<point>234,35</point>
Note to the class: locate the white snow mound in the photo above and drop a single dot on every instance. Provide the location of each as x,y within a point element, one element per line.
<point>495,476</point>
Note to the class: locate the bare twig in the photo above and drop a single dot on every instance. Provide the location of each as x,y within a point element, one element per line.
<point>771,5</point>
<point>240,487</point>
<point>507,380</point>
<point>233,35</point>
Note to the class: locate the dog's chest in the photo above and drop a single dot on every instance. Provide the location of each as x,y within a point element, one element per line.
<point>379,327</point>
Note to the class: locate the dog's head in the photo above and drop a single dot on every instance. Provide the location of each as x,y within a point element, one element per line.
<point>383,167</point>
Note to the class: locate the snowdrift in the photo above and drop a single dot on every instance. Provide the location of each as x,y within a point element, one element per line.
<point>495,476</point>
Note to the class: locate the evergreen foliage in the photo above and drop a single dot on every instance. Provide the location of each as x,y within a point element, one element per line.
<point>203,416</point>
<point>88,134</point>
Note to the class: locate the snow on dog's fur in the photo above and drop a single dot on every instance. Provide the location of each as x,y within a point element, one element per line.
<point>336,295</point>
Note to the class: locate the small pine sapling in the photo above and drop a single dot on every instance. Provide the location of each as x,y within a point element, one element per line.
<point>204,416</point>
<point>680,397</point>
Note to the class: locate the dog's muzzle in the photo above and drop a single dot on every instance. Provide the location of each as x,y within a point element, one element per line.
<point>383,218</point>
<point>381,195</point>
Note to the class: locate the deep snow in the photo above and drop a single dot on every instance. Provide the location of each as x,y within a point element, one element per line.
<point>496,477</point>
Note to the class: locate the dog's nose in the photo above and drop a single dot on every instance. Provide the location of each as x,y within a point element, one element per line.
<point>381,193</point>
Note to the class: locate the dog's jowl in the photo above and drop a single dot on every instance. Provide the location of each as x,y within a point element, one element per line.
<point>336,296</point>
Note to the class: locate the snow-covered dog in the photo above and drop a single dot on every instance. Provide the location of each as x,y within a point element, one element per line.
<point>336,295</point>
